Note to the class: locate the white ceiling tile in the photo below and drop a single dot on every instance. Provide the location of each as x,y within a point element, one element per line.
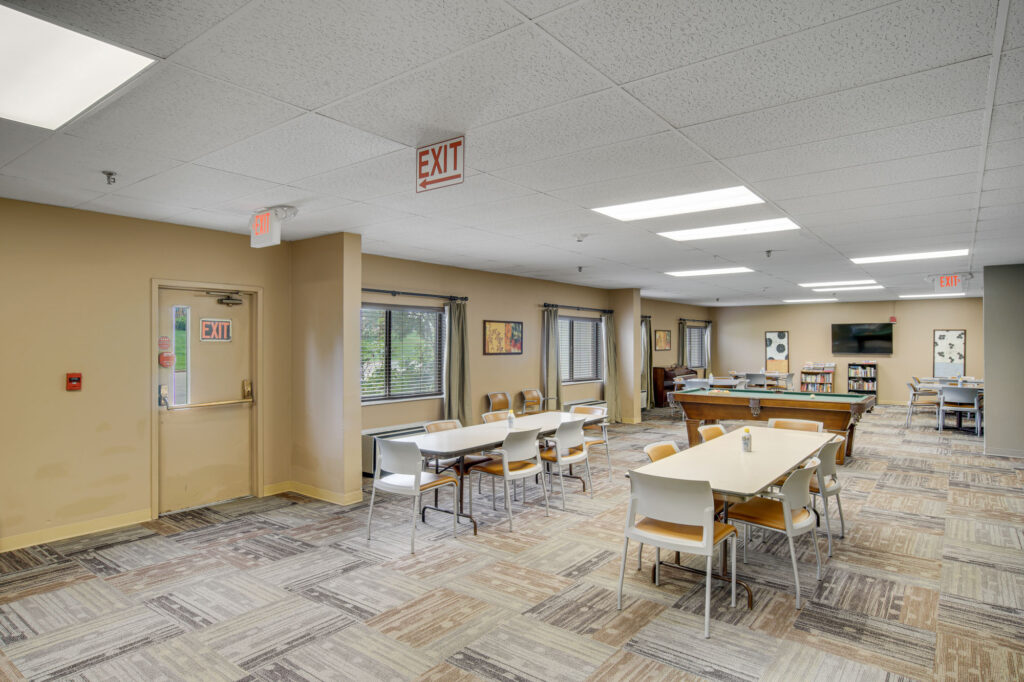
<point>1001,197</point>
<point>888,194</point>
<point>1004,212</point>
<point>600,119</point>
<point>535,8</point>
<point>918,97</point>
<point>67,160</point>
<point>1010,84</point>
<point>158,27</point>
<point>628,40</point>
<point>1007,122</point>
<point>135,208</point>
<point>180,114</point>
<point>573,221</point>
<point>1005,153</point>
<point>896,40</point>
<point>621,159</point>
<point>887,211</point>
<point>510,74</point>
<point>354,217</point>
<point>194,186</point>
<point>725,216</point>
<point>305,146</point>
<point>476,189</point>
<point>43,193</point>
<point>312,52</point>
<point>17,138</point>
<point>1014,26</point>
<point>1002,178</point>
<point>376,177</point>
<point>519,209</point>
<point>282,195</point>
<point>226,221</point>
<point>696,178</point>
<point>939,164</point>
<point>915,139</point>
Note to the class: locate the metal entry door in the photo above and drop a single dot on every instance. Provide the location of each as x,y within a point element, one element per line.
<point>205,393</point>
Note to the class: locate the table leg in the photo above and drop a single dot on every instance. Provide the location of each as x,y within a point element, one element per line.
<point>461,511</point>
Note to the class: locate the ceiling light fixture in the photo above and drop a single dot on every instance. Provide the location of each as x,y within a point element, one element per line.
<point>682,203</point>
<point>931,295</point>
<point>847,283</point>
<point>911,256</point>
<point>755,227</point>
<point>712,271</point>
<point>811,300</point>
<point>49,75</point>
<point>873,286</point>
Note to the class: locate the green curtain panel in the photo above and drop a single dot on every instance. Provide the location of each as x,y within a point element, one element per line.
<point>682,344</point>
<point>611,369</point>
<point>457,378</point>
<point>707,349</point>
<point>549,358</point>
<point>647,371</point>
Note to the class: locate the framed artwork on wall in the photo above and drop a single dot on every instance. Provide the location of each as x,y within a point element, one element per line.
<point>776,351</point>
<point>949,352</point>
<point>502,337</point>
<point>662,339</point>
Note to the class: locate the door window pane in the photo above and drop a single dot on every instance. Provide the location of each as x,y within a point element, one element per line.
<point>181,318</point>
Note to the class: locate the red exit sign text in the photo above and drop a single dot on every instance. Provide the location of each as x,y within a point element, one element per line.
<point>440,165</point>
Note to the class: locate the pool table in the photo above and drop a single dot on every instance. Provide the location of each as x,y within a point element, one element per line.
<point>839,412</point>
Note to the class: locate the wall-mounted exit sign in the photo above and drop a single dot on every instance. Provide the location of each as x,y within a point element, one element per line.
<point>264,229</point>
<point>440,165</point>
<point>950,284</point>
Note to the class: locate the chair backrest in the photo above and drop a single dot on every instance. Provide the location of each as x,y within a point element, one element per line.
<point>796,424</point>
<point>442,425</point>
<point>710,432</point>
<point>696,383</point>
<point>661,450</point>
<point>569,435</point>
<point>915,379</point>
<point>499,401</point>
<point>599,410</point>
<point>673,500</point>
<point>532,399</point>
<point>797,488</point>
<point>399,457</point>
<point>956,394</point>
<point>520,445</point>
<point>827,457</point>
<point>496,416</point>
<point>758,379</point>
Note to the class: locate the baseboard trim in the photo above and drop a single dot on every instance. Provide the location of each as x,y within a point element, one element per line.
<point>1008,452</point>
<point>312,491</point>
<point>71,530</point>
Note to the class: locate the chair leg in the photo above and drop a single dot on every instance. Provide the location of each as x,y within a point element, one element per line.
<point>508,503</point>
<point>735,537</point>
<point>828,526</point>
<point>369,517</point>
<point>590,481</point>
<point>561,484</point>
<point>494,496</point>
<point>640,558</point>
<point>842,524</point>
<point>607,450</point>
<point>657,566</point>
<point>415,513</point>
<point>455,510</point>
<point>796,573</point>
<point>817,553</point>
<point>622,569</point>
<point>707,599</point>
<point>544,489</point>
<point>469,485</point>
<point>746,541</point>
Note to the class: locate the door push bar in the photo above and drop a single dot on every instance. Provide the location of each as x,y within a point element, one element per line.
<point>162,400</point>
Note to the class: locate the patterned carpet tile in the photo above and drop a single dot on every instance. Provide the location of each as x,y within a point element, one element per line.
<point>583,609</point>
<point>61,653</point>
<point>423,621</point>
<point>796,662</point>
<point>625,666</point>
<point>127,556</point>
<point>967,658</point>
<point>233,530</point>
<point>894,540</point>
<point>978,619</point>
<point>303,571</point>
<point>258,637</point>
<point>29,557</point>
<point>446,672</point>
<point>211,599</point>
<point>169,524</point>
<point>365,593</point>
<point>984,584</point>
<point>511,585</point>
<point>143,583</point>
<point>984,533</point>
<point>102,540</point>
<point>49,611</point>
<point>36,580</point>
<point>180,658</point>
<point>439,564</point>
<point>261,550</point>
<point>865,594</point>
<point>251,505</point>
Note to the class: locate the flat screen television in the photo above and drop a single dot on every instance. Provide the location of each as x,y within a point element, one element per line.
<point>868,338</point>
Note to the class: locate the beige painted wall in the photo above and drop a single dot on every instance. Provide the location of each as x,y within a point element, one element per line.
<point>491,297</point>
<point>77,288</point>
<point>1004,371</point>
<point>738,337</point>
<point>665,315</point>
<point>626,304</point>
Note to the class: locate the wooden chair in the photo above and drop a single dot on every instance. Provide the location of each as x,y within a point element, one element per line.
<point>568,447</point>
<point>498,401</point>
<point>404,464</point>
<point>596,434</point>
<point>678,515</point>
<point>710,432</point>
<point>787,512</point>
<point>520,460</point>
<point>796,425</point>
<point>533,400</point>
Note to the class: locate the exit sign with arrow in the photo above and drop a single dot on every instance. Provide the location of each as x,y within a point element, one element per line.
<point>440,165</point>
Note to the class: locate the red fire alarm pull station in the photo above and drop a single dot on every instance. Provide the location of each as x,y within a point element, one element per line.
<point>892,318</point>
<point>74,381</point>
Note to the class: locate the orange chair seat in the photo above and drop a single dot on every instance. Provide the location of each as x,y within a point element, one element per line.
<point>814,486</point>
<point>453,462</point>
<point>428,480</point>
<point>765,512</point>
<point>549,455</point>
<point>679,531</point>
<point>495,468</point>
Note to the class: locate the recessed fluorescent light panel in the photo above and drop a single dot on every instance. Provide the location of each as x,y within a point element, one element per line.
<point>911,256</point>
<point>683,203</point>
<point>811,300</point>
<point>713,271</point>
<point>49,75</point>
<point>848,283</point>
<point>755,227</point>
<point>873,286</point>
<point>931,295</point>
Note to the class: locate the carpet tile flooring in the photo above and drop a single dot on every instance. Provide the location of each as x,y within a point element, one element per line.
<point>927,584</point>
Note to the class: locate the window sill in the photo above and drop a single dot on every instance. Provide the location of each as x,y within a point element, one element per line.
<point>577,383</point>
<point>400,400</point>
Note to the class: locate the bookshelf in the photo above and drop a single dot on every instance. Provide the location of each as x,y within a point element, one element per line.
<point>818,377</point>
<point>862,377</point>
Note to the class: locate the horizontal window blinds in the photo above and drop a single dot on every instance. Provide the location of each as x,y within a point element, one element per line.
<point>696,355</point>
<point>402,352</point>
<point>579,348</point>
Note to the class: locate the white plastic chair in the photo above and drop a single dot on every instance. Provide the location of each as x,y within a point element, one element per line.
<point>920,398</point>
<point>788,512</point>
<point>568,447</point>
<point>826,484</point>
<point>678,515</point>
<point>961,400</point>
<point>796,424</point>
<point>599,410</point>
<point>403,463</point>
<point>710,432</point>
<point>755,380</point>
<point>520,459</point>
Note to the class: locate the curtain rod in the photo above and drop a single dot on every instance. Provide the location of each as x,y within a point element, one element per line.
<point>413,293</point>
<point>645,317</point>
<point>576,307</point>
<point>687,319</point>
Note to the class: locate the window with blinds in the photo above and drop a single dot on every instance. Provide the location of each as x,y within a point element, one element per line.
<point>579,348</point>
<point>402,353</point>
<point>696,352</point>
